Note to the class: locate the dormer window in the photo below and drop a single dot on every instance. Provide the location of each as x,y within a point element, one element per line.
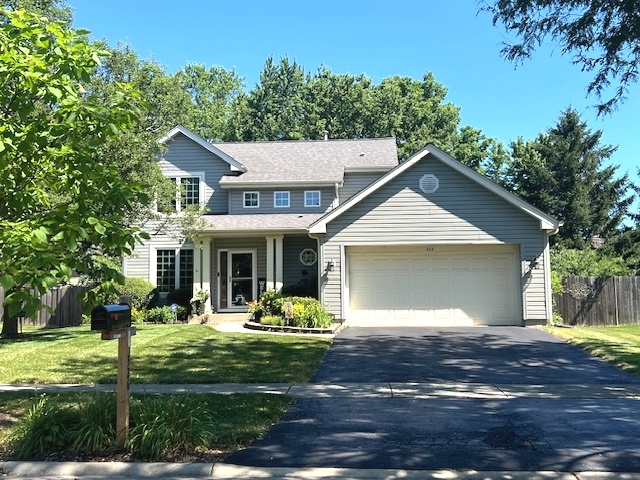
<point>312,198</point>
<point>281,199</point>
<point>251,199</point>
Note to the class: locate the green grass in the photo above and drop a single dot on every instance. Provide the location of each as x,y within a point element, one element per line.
<point>238,420</point>
<point>619,345</point>
<point>160,354</point>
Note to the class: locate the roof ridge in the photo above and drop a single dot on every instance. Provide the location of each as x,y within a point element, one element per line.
<point>331,140</point>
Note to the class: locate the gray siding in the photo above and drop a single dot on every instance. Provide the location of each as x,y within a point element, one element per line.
<point>459,212</point>
<point>293,269</point>
<point>184,157</point>
<point>138,264</point>
<point>354,182</point>
<point>296,201</point>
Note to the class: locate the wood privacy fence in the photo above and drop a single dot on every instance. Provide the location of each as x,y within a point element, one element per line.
<point>593,301</point>
<point>67,309</point>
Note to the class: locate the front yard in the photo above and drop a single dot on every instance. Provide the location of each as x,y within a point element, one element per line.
<point>161,354</point>
<point>173,354</point>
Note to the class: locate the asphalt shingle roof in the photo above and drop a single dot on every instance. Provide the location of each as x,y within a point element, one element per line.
<point>307,161</point>
<point>260,222</point>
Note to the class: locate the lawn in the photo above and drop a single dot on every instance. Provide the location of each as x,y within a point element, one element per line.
<point>619,345</point>
<point>161,354</point>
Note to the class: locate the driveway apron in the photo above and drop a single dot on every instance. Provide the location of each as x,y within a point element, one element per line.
<point>543,405</point>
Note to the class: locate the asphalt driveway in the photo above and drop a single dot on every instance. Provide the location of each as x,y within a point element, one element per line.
<point>587,430</point>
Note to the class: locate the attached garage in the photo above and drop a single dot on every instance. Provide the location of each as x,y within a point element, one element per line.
<point>433,242</point>
<point>433,285</point>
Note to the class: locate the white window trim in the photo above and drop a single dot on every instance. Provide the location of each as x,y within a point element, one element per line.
<point>244,199</point>
<point>180,175</point>
<point>319,198</point>
<point>153,261</point>
<point>275,194</point>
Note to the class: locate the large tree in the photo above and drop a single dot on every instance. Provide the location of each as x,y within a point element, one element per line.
<point>603,36</point>
<point>563,173</point>
<point>59,205</point>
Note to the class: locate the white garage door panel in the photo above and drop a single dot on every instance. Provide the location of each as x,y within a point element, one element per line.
<point>396,288</point>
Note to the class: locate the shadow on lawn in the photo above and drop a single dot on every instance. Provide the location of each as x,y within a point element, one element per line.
<point>218,359</point>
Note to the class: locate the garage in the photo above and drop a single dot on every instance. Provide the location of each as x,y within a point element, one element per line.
<point>433,285</point>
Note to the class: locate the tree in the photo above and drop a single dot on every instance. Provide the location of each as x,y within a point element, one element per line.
<point>59,206</point>
<point>212,90</point>
<point>562,173</point>
<point>602,35</point>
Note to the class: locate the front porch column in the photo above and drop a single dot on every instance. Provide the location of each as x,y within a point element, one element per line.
<point>275,262</point>
<point>202,270</point>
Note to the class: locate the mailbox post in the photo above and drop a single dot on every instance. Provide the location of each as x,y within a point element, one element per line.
<point>114,321</point>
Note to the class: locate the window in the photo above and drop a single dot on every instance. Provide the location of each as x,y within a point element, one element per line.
<point>280,199</point>
<point>251,199</point>
<point>308,257</point>
<point>312,198</point>
<point>174,269</point>
<point>187,190</point>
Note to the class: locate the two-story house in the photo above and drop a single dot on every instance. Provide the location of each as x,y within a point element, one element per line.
<point>424,242</point>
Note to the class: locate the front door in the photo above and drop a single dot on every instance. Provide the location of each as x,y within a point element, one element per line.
<point>237,279</point>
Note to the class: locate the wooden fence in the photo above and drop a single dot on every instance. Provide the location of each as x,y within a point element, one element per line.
<point>593,301</point>
<point>67,309</point>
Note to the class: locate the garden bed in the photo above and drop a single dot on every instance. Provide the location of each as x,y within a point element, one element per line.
<point>332,330</point>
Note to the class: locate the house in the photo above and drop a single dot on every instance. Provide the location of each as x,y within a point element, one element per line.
<point>425,242</point>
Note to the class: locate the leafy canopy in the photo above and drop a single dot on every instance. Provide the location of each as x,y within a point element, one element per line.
<point>602,35</point>
<point>59,206</point>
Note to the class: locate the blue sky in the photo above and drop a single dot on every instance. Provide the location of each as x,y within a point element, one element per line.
<point>460,46</point>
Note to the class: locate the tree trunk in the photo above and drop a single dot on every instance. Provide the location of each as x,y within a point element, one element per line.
<point>9,325</point>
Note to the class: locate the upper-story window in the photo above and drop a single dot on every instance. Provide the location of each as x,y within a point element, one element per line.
<point>251,200</point>
<point>281,199</point>
<point>312,198</point>
<point>187,193</point>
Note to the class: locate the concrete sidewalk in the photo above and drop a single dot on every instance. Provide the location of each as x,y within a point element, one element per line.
<point>363,390</point>
<point>170,471</point>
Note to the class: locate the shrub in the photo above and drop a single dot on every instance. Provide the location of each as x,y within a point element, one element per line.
<point>43,430</point>
<point>139,289</point>
<point>138,316</point>
<point>182,297</point>
<point>272,320</point>
<point>161,315</point>
<point>94,429</point>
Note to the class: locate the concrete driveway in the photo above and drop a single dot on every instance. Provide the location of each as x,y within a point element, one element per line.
<point>497,398</point>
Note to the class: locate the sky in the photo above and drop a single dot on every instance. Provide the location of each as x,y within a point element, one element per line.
<point>449,38</point>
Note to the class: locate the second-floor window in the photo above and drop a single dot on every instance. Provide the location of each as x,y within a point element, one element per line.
<point>312,198</point>
<point>281,199</point>
<point>251,200</point>
<point>187,193</point>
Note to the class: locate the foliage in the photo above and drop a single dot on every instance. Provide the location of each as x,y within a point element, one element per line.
<point>160,315</point>
<point>139,289</point>
<point>602,36</point>
<point>44,429</point>
<point>181,296</point>
<point>586,263</point>
<point>625,244</point>
<point>164,427</point>
<point>556,282</point>
<point>562,173</point>
<point>307,311</point>
<point>275,320</point>
<point>59,206</point>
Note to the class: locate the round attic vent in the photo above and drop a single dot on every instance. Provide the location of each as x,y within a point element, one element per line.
<point>429,183</point>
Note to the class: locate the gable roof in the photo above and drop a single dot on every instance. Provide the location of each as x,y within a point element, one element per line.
<point>179,129</point>
<point>546,222</point>
<point>307,162</point>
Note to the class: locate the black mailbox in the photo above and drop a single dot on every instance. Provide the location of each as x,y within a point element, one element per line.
<point>111,317</point>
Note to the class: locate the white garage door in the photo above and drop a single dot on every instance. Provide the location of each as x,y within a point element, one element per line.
<point>452,286</point>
